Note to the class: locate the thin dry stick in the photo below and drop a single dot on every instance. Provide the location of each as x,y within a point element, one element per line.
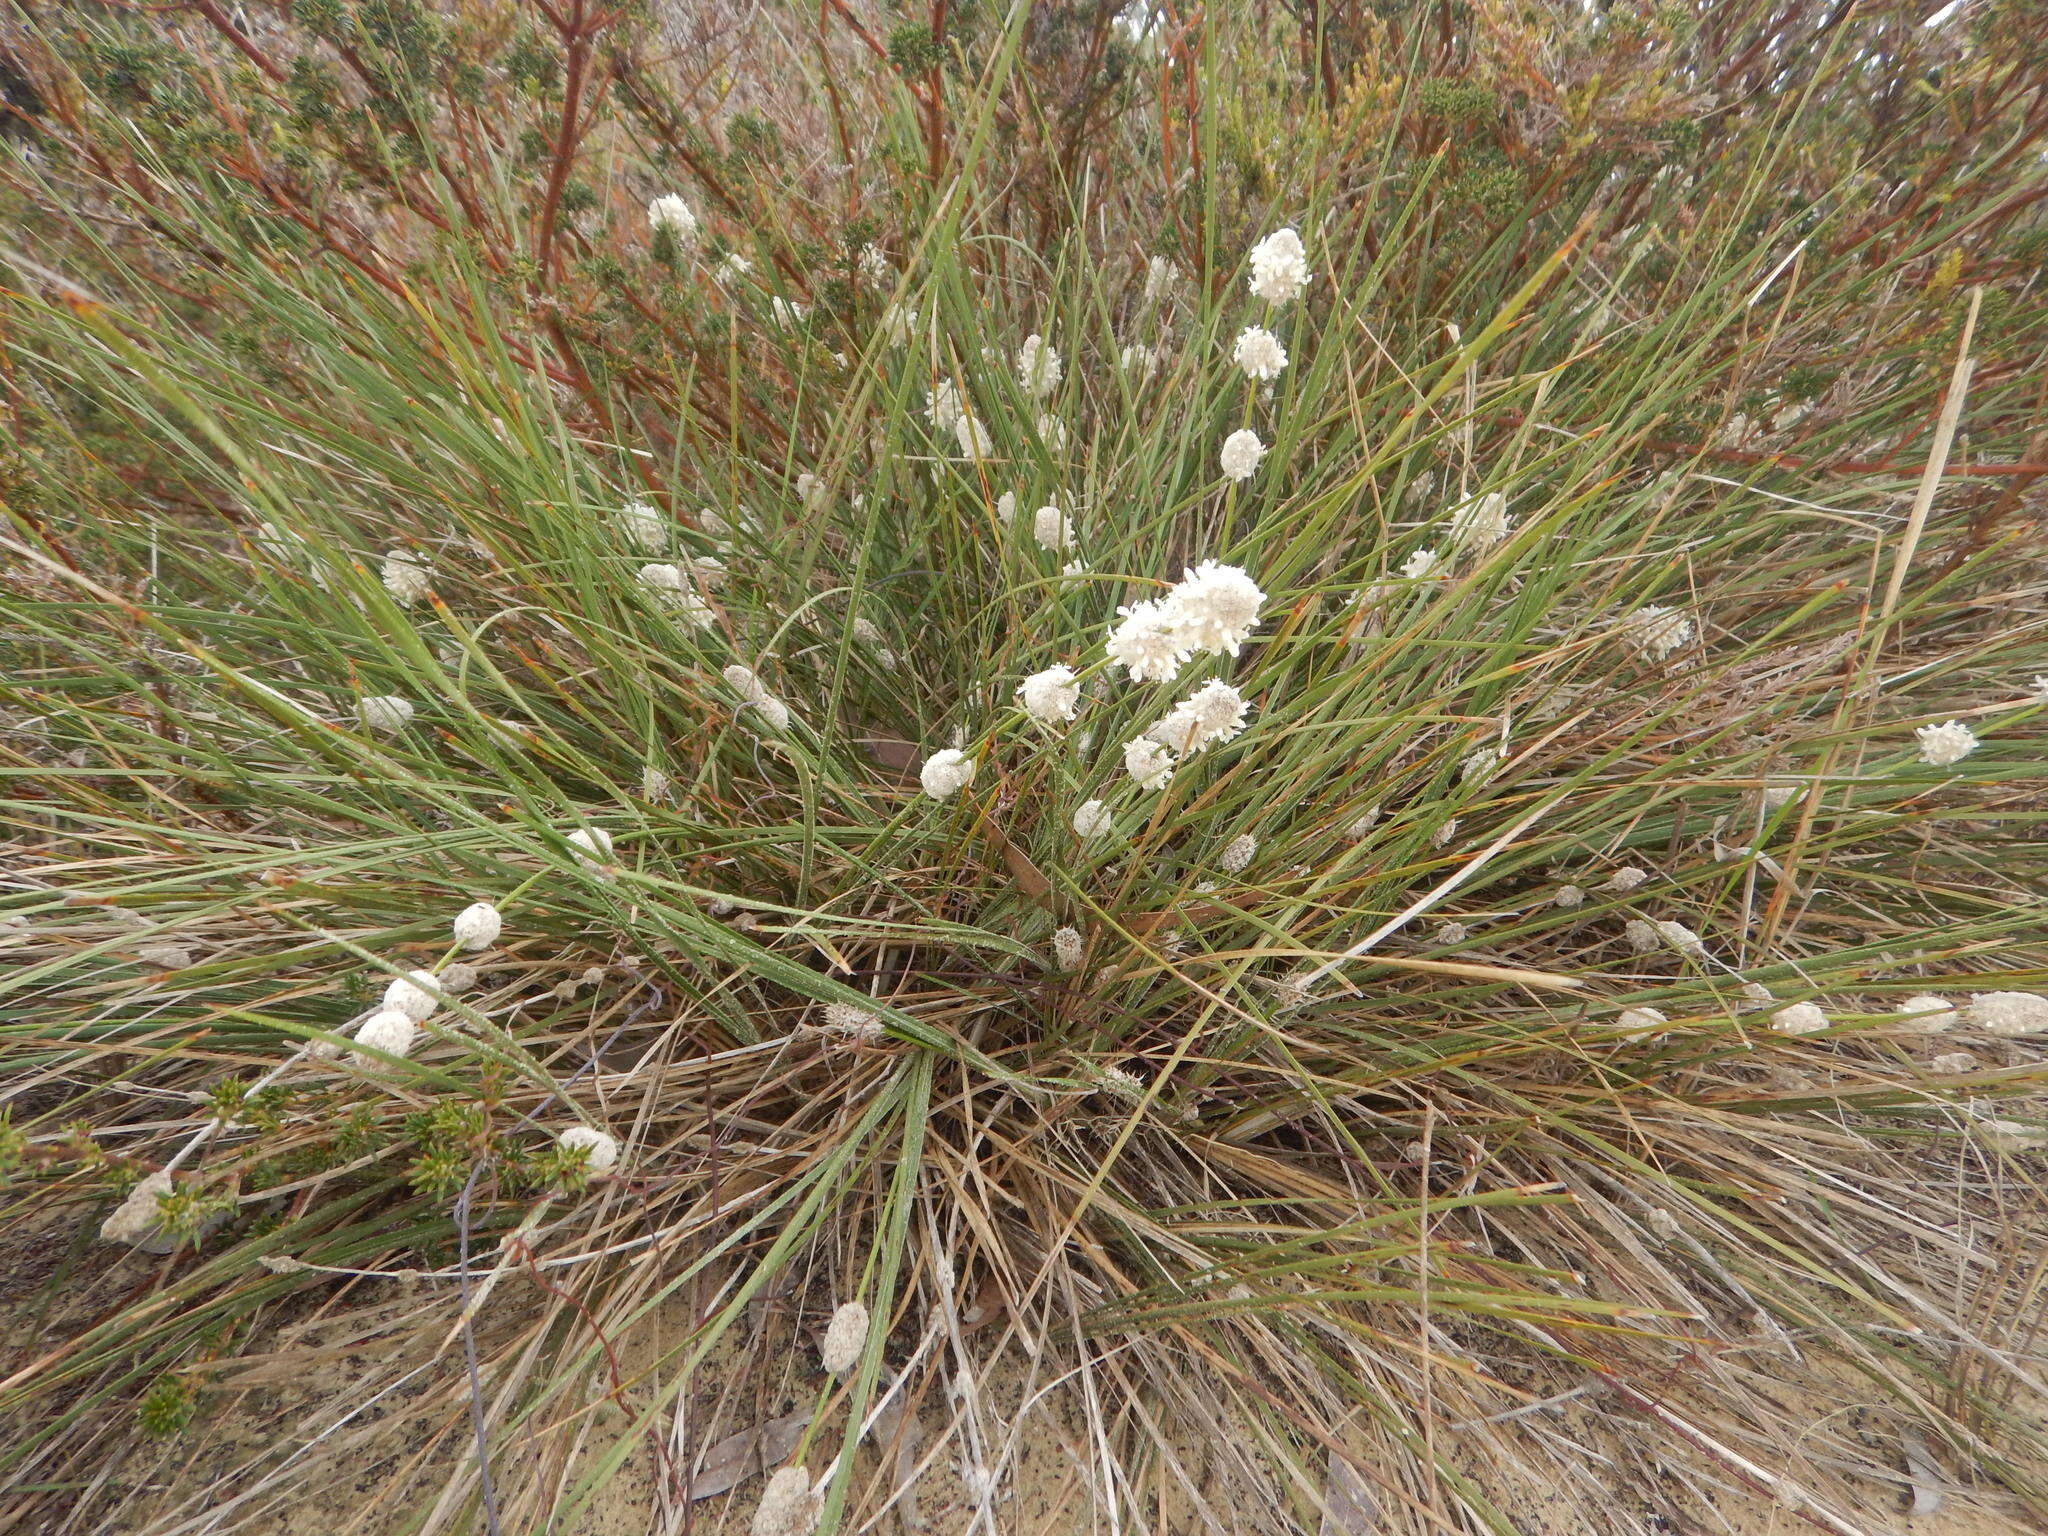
<point>1937,459</point>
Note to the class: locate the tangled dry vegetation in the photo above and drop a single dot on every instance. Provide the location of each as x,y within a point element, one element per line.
<point>1200,770</point>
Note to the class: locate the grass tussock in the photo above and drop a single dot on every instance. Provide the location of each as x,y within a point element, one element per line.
<point>1569,1005</point>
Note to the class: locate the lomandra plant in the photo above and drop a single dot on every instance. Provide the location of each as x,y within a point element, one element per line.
<point>1313,769</point>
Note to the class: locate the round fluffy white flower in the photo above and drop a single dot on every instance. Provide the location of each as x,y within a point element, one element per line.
<point>1242,451</point>
<point>642,527</point>
<point>1141,360</point>
<point>1148,762</point>
<point>385,712</point>
<point>946,772</point>
<point>595,843</point>
<point>1051,431</point>
<point>810,490</point>
<point>973,438</point>
<point>1657,631</point>
<point>671,213</point>
<point>1625,879</point>
<point>1067,948</point>
<point>1481,522</point>
<point>1279,267</point>
<point>389,1031</point>
<point>405,578</point>
<point>600,1149</point>
<point>1949,742</point>
<point>1052,528</point>
<point>1092,819</point>
<point>1237,853</point>
<point>140,1212</point>
<point>1214,712</point>
<point>788,1507</point>
<point>2011,1014</point>
<point>1149,644</point>
<point>1038,367</point>
<point>670,586</point>
<point>1160,279</point>
<point>1569,896</point>
<point>873,263</point>
<point>1640,1024</point>
<point>1006,508</point>
<point>1215,607</point>
<point>1640,936</point>
<point>1052,695</point>
<point>1422,565</point>
<point>1259,353</point>
<point>1926,1014</point>
<point>478,925</point>
<point>1799,1019</point>
<point>413,995</point>
<point>845,1337</point>
<point>1682,938</point>
<point>787,314</point>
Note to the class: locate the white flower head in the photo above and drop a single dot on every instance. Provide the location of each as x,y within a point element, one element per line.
<point>385,712</point>
<point>754,694</point>
<point>478,925</point>
<point>973,438</point>
<point>1148,762</point>
<point>594,845</point>
<point>1422,565</point>
<point>1640,936</point>
<point>140,1212</point>
<point>1625,879</point>
<point>1480,765</point>
<point>1242,451</point>
<point>600,1149</point>
<point>1038,367</point>
<point>1480,523</point>
<point>1092,819</point>
<point>787,314</point>
<point>810,490</point>
<point>1067,948</point>
<point>1238,853</point>
<point>387,1030</point>
<point>1279,267</point>
<point>1569,896</point>
<point>642,527</point>
<point>1150,643</point>
<point>1637,1024</point>
<point>873,264</point>
<point>1141,360</point>
<point>855,1023</point>
<point>1006,508</point>
<point>1052,528</point>
<point>846,1336</point>
<point>405,578</point>
<point>1949,742</point>
<point>1052,696</point>
<point>1051,431</point>
<point>1926,1014</point>
<point>788,1507</point>
<point>946,772</point>
<point>1259,353</point>
<point>1799,1019</point>
<point>671,213</point>
<point>1656,631</point>
<point>2013,1015</point>
<point>1215,607</point>
<point>1161,279</point>
<point>1214,712</point>
<point>943,406</point>
<point>414,995</point>
<point>1681,938</point>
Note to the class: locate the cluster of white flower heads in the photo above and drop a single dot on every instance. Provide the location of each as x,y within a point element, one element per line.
<point>1214,712</point>
<point>946,772</point>
<point>1945,744</point>
<point>642,527</point>
<point>754,694</point>
<point>1213,610</point>
<point>1279,267</point>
